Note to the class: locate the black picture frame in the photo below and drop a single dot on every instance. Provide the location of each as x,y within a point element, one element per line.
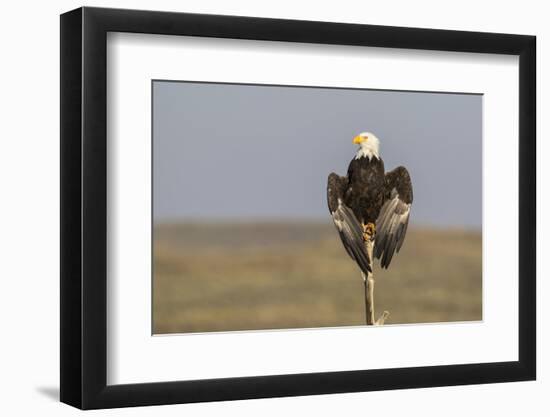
<point>84,207</point>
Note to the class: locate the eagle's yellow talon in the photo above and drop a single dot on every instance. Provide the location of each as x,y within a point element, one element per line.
<point>369,230</point>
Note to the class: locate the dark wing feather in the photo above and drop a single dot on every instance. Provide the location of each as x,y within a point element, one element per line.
<point>346,223</point>
<point>393,220</point>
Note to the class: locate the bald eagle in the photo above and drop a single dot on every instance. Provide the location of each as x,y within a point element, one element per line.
<point>370,204</point>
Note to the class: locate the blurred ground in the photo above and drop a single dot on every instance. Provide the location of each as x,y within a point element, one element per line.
<point>249,276</point>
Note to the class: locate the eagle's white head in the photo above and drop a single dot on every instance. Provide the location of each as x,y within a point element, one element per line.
<point>369,145</point>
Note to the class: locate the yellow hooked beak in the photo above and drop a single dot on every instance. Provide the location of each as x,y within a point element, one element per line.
<point>359,139</point>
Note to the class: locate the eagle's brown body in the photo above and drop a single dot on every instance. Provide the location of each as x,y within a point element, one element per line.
<point>366,190</point>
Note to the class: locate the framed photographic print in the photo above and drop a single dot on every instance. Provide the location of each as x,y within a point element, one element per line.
<point>256,208</point>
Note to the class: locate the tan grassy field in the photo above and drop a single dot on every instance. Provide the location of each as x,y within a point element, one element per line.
<point>220,277</point>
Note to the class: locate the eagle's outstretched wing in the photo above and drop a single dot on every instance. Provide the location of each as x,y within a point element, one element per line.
<point>346,223</point>
<point>392,222</point>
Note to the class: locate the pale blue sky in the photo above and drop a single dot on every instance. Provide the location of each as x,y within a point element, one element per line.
<point>226,151</point>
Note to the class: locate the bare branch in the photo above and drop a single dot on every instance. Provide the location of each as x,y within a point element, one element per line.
<point>368,282</point>
<point>382,318</point>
